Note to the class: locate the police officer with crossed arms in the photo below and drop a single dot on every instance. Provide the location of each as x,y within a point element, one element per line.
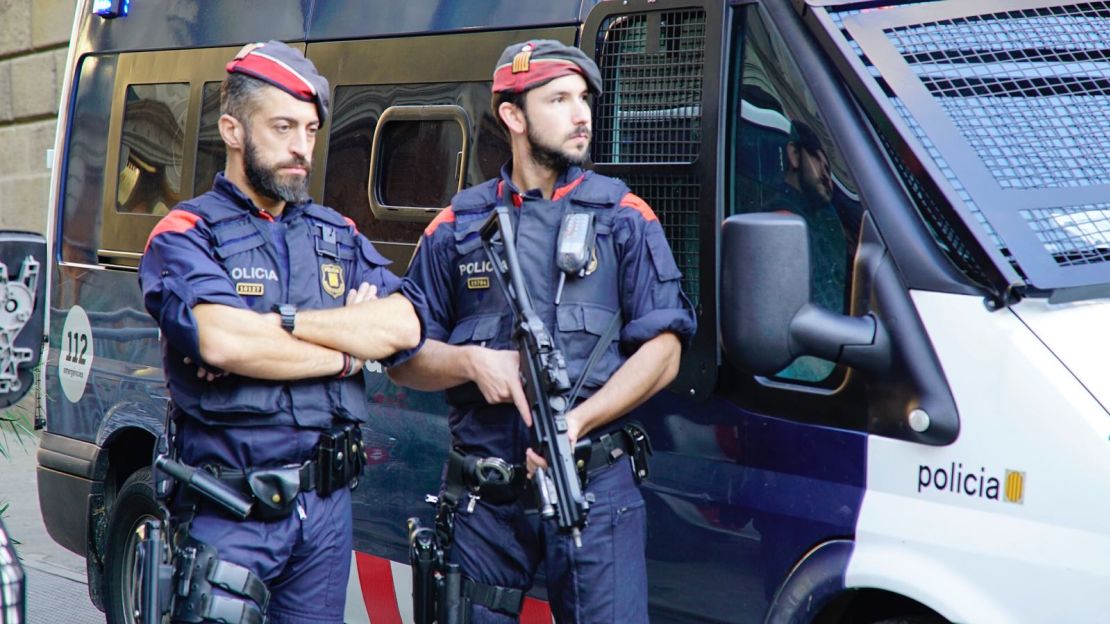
<point>269,304</point>
<point>628,298</point>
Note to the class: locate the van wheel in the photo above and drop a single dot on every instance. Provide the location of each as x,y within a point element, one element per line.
<point>134,505</point>
<point>915,619</point>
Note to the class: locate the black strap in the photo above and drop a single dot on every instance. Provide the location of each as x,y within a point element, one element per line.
<point>197,569</point>
<point>505,600</point>
<point>454,483</point>
<point>599,348</point>
<point>238,580</point>
<point>231,611</point>
<point>237,479</point>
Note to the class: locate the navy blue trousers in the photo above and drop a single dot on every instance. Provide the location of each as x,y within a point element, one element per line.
<point>304,561</point>
<point>603,581</point>
<point>304,558</point>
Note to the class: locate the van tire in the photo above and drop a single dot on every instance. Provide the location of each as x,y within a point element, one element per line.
<point>134,505</point>
<point>914,619</point>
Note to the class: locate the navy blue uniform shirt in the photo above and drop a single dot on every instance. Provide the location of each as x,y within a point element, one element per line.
<point>631,272</point>
<point>219,248</point>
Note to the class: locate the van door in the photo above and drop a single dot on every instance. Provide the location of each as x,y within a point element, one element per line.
<point>706,114</point>
<point>661,127</point>
<point>22,310</point>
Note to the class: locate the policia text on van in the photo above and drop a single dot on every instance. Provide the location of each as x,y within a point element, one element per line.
<point>935,296</point>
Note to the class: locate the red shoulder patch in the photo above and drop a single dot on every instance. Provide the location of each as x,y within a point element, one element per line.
<point>562,191</point>
<point>634,202</point>
<point>447,215</point>
<point>176,221</point>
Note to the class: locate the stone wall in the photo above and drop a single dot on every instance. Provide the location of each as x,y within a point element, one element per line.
<point>33,39</point>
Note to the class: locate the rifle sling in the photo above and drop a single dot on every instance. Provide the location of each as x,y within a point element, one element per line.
<point>599,348</point>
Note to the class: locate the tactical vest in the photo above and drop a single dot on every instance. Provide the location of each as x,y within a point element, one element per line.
<point>323,251</point>
<point>587,304</point>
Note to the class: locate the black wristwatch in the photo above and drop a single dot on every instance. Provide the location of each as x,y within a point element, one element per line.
<point>288,314</point>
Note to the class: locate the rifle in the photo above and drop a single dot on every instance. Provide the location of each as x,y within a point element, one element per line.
<point>546,385</point>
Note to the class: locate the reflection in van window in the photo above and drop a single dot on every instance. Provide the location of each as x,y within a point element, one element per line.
<point>211,153</point>
<point>784,160</point>
<point>151,148</point>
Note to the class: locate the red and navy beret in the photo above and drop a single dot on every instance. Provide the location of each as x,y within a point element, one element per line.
<point>285,68</point>
<point>527,65</point>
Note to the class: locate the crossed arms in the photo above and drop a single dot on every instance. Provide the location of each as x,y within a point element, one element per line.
<point>251,344</point>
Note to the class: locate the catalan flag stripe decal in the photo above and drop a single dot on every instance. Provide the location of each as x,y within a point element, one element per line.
<point>1015,486</point>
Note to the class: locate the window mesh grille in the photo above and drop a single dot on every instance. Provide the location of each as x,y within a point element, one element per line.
<point>675,200</point>
<point>1029,90</point>
<point>1074,235</point>
<point>650,111</point>
<point>934,217</point>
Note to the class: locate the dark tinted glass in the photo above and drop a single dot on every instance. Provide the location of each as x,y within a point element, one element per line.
<point>151,148</point>
<point>784,159</point>
<point>85,154</point>
<point>210,147</point>
<point>418,163</point>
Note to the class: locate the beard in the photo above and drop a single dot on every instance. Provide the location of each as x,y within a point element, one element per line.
<point>816,192</point>
<point>554,158</point>
<point>267,182</point>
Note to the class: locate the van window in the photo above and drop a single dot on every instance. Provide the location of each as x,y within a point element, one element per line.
<point>783,159</point>
<point>86,153</point>
<point>152,146</point>
<point>210,147</point>
<point>417,162</point>
<point>658,118</point>
<point>358,109</point>
<point>653,66</point>
<point>656,129</point>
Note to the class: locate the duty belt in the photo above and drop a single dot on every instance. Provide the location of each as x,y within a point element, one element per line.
<point>630,441</point>
<point>339,461</point>
<point>496,481</point>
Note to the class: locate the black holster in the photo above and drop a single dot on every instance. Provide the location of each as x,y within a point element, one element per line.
<point>156,571</point>
<point>440,591</point>
<point>340,458</point>
<point>490,478</point>
<point>197,570</point>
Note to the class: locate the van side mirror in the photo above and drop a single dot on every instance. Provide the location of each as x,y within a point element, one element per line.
<point>22,312</point>
<point>767,318</point>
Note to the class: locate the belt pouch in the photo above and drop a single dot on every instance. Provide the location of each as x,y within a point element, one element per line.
<point>340,459</point>
<point>275,490</point>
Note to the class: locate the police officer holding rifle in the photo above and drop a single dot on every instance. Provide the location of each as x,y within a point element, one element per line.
<point>607,311</point>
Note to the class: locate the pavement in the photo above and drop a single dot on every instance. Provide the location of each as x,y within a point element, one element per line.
<point>57,592</point>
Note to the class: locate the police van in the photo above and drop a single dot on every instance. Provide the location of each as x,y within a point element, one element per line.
<point>893,218</point>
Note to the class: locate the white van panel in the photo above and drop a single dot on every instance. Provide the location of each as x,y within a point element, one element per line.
<point>1079,334</point>
<point>964,549</point>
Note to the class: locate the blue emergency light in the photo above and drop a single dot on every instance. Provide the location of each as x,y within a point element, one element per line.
<point>109,9</point>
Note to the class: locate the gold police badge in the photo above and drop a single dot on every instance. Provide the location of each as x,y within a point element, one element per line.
<point>332,277</point>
